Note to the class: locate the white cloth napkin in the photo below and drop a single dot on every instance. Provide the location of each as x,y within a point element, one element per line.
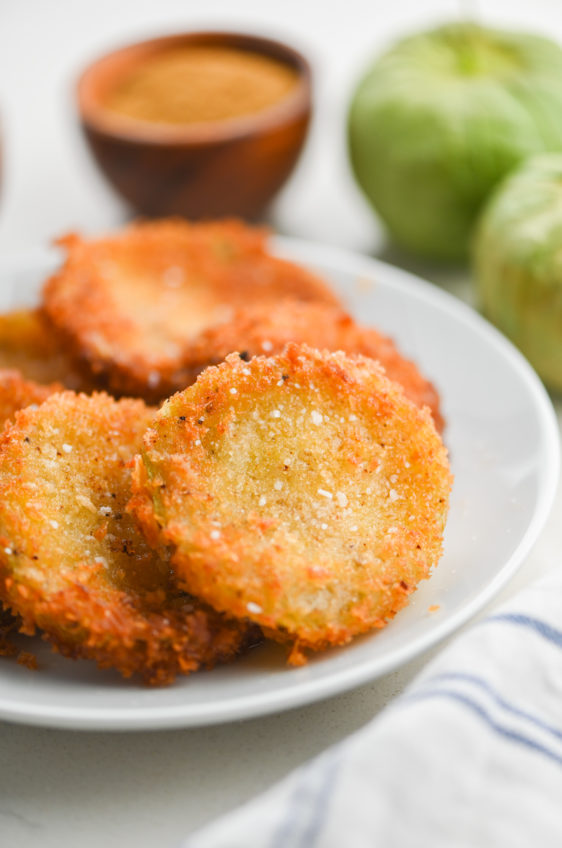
<point>469,755</point>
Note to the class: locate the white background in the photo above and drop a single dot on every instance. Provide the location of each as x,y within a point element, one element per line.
<point>60,789</point>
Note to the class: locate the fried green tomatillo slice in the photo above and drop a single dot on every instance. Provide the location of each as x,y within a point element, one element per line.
<point>16,393</point>
<point>257,329</point>
<point>130,306</point>
<point>303,491</point>
<point>28,344</point>
<point>72,561</point>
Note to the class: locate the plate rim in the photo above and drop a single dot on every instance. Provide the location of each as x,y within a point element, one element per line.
<point>306,692</point>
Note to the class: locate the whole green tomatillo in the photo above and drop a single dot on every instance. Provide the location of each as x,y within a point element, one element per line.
<point>518,263</point>
<point>443,116</point>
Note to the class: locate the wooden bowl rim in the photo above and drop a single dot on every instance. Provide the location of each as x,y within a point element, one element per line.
<point>95,116</point>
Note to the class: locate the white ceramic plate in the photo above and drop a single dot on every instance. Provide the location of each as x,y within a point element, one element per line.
<point>503,441</point>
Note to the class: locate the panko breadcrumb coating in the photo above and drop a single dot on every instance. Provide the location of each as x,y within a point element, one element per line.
<point>73,563</point>
<point>302,491</point>
<point>129,305</point>
<point>17,393</point>
<point>28,344</point>
<point>258,329</point>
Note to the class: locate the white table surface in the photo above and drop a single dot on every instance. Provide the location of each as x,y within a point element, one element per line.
<point>59,789</point>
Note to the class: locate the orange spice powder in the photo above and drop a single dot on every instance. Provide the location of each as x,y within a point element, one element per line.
<point>194,84</point>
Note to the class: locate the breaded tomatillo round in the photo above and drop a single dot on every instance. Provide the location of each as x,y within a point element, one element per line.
<point>72,561</point>
<point>28,344</point>
<point>16,393</point>
<point>256,330</point>
<point>302,491</point>
<point>130,305</point>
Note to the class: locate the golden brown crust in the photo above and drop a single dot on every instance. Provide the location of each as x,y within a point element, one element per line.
<point>256,330</point>
<point>130,305</point>
<point>72,561</point>
<point>16,393</point>
<point>28,344</point>
<point>303,491</point>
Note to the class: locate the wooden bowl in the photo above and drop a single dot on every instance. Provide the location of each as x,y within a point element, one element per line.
<point>204,170</point>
